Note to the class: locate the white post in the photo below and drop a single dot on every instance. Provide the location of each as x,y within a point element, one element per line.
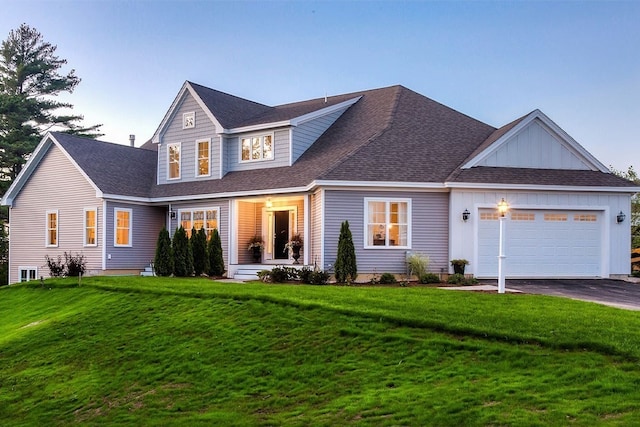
<point>501,257</point>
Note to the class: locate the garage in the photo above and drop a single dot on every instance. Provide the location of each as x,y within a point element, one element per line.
<point>542,243</point>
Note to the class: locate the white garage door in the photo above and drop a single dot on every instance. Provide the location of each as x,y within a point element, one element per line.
<point>549,243</point>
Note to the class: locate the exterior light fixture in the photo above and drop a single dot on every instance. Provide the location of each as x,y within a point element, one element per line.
<point>269,203</point>
<point>620,218</point>
<point>503,207</point>
<point>465,215</point>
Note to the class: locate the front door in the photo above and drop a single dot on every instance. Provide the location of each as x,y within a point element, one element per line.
<point>281,234</point>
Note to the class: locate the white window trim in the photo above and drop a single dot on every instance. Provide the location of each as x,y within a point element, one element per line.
<point>386,200</point>
<point>254,135</point>
<point>192,210</point>
<point>115,227</point>
<point>27,268</point>
<point>84,228</point>
<point>179,145</point>
<point>197,156</point>
<point>46,229</point>
<point>185,116</point>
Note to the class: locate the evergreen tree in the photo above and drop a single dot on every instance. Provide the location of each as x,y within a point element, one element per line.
<point>29,82</point>
<point>346,269</point>
<point>216,261</point>
<point>163,261</point>
<point>182,261</point>
<point>200,255</point>
<point>4,256</point>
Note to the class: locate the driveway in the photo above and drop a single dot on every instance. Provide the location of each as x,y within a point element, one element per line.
<point>616,293</point>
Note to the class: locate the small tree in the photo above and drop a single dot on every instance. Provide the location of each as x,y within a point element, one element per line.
<point>4,256</point>
<point>216,261</point>
<point>182,262</point>
<point>163,261</point>
<point>200,255</point>
<point>346,269</point>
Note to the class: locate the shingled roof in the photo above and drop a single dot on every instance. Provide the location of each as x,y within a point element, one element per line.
<point>390,134</point>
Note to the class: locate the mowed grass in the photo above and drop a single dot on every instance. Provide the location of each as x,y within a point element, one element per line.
<point>153,351</point>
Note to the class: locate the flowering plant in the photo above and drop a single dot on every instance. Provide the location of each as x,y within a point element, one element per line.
<point>295,243</point>
<point>256,242</point>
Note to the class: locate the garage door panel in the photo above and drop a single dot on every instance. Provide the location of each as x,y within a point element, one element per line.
<point>542,243</point>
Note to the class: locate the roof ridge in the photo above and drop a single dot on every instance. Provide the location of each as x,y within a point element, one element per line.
<point>387,125</point>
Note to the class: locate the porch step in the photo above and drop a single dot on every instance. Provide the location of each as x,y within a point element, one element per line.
<point>247,273</point>
<point>148,271</point>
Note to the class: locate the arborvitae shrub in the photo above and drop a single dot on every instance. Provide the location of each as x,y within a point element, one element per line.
<point>216,262</point>
<point>199,247</point>
<point>163,261</point>
<point>346,269</point>
<point>182,265</point>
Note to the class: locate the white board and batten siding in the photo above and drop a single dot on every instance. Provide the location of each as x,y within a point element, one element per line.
<point>146,223</point>
<point>547,234</point>
<point>305,134</point>
<point>429,229</point>
<point>187,138</point>
<point>57,186</point>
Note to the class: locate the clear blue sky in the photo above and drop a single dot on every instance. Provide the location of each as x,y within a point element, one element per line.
<point>578,62</point>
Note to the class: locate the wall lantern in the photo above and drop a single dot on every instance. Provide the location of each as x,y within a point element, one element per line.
<point>620,218</point>
<point>465,215</point>
<point>503,207</point>
<point>173,214</point>
<point>269,203</point>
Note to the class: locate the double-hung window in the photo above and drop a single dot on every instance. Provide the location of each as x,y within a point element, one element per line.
<point>123,221</point>
<point>173,161</point>
<point>206,218</point>
<point>388,223</point>
<point>52,229</point>
<point>256,147</point>
<point>202,159</point>
<point>28,273</point>
<point>90,227</point>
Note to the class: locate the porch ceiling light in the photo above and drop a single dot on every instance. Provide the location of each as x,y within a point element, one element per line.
<point>465,215</point>
<point>620,218</point>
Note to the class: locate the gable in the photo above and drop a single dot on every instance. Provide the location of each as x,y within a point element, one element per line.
<point>535,142</point>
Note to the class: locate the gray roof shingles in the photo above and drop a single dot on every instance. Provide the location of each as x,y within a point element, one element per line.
<point>390,134</point>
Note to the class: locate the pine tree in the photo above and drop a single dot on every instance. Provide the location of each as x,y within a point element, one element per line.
<point>346,270</point>
<point>163,261</point>
<point>200,255</point>
<point>216,261</point>
<point>4,256</point>
<point>182,262</point>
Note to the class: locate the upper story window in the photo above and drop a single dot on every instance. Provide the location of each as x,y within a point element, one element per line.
<point>123,222</point>
<point>202,160</point>
<point>173,160</point>
<point>90,227</point>
<point>206,218</point>
<point>257,147</point>
<point>388,223</point>
<point>188,120</point>
<point>52,228</point>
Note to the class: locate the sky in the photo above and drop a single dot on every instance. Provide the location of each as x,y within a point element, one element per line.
<point>576,61</point>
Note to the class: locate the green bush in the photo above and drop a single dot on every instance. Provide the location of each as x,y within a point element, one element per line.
<point>459,279</point>
<point>182,258</point>
<point>319,277</point>
<point>74,265</point>
<point>163,261</point>
<point>281,274</point>
<point>387,279</point>
<point>304,274</point>
<point>418,264</point>
<point>56,267</point>
<point>216,261</point>
<point>200,256</point>
<point>429,278</point>
<point>346,268</point>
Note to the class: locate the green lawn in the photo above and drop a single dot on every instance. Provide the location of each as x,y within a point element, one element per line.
<point>154,351</point>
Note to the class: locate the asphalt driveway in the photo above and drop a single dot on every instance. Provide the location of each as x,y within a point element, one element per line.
<point>616,293</point>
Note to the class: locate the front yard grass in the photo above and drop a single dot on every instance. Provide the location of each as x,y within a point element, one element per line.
<point>157,351</point>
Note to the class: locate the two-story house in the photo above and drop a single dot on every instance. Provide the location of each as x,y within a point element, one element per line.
<point>408,173</point>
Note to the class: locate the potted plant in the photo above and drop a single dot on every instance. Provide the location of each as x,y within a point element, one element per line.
<point>458,265</point>
<point>255,245</point>
<point>293,246</point>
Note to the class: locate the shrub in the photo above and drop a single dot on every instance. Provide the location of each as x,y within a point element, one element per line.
<point>74,265</point>
<point>56,267</point>
<point>216,261</point>
<point>280,274</point>
<point>163,261</point>
<point>319,277</point>
<point>4,256</point>
<point>304,274</point>
<point>459,279</point>
<point>200,256</point>
<point>387,279</point>
<point>418,264</point>
<point>346,268</point>
<point>429,278</point>
<point>182,262</point>
<point>264,275</point>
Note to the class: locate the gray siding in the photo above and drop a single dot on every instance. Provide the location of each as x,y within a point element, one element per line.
<point>187,138</point>
<point>316,229</point>
<point>223,221</point>
<point>147,221</point>
<point>307,133</point>
<point>280,153</point>
<point>56,185</point>
<point>429,229</point>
